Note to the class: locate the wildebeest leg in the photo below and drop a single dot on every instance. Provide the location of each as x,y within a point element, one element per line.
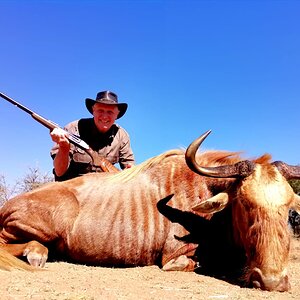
<point>180,260</point>
<point>36,220</point>
<point>9,262</point>
<point>181,263</point>
<point>177,255</point>
<point>19,238</point>
<point>35,252</point>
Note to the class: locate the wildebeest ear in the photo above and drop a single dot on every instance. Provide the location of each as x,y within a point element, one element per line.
<point>213,204</point>
<point>296,204</point>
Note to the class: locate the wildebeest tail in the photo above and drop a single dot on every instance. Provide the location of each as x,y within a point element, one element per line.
<point>9,262</point>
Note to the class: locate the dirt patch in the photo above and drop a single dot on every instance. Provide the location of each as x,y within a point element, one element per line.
<point>65,281</point>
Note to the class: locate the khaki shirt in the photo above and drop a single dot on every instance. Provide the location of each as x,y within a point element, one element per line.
<point>114,145</point>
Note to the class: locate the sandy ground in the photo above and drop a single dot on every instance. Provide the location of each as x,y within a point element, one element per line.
<point>62,280</point>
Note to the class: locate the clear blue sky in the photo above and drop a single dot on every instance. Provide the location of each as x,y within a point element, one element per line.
<point>183,67</point>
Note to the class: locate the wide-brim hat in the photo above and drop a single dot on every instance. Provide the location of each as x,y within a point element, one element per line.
<point>106,97</point>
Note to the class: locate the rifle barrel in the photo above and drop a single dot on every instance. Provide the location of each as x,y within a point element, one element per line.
<point>47,123</point>
<point>19,105</point>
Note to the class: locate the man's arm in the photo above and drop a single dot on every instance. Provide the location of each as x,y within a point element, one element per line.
<point>61,161</point>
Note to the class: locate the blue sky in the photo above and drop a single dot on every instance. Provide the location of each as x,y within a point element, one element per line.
<point>183,67</point>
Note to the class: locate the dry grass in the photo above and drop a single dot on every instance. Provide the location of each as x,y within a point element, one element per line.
<point>66,281</point>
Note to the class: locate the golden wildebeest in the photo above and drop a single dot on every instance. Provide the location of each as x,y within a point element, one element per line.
<point>223,214</point>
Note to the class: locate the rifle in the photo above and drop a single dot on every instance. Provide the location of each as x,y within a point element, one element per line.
<point>98,161</point>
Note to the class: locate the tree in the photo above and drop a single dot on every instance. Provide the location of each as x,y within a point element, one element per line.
<point>295,184</point>
<point>30,181</point>
<point>6,191</point>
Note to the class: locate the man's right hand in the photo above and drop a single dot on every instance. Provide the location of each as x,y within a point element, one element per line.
<point>61,161</point>
<point>60,136</point>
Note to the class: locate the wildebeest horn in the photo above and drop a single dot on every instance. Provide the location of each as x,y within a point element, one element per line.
<point>240,169</point>
<point>212,205</point>
<point>289,172</point>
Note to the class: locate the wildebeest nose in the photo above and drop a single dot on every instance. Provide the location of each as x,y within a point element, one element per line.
<point>257,280</point>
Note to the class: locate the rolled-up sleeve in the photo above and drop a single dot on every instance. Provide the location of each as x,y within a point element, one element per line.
<point>71,128</point>
<point>125,152</point>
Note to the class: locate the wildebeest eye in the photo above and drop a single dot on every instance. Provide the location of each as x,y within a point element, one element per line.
<point>245,204</point>
<point>252,252</point>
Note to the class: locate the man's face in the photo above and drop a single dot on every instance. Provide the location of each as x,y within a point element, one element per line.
<point>105,116</point>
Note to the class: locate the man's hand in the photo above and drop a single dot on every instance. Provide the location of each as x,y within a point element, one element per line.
<point>61,161</point>
<point>60,136</point>
<point>128,166</point>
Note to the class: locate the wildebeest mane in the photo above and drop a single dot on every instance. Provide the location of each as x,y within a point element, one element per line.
<point>206,158</point>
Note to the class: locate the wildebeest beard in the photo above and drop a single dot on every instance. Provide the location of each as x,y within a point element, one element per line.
<point>216,254</point>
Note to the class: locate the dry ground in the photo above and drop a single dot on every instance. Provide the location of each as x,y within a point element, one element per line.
<point>68,281</point>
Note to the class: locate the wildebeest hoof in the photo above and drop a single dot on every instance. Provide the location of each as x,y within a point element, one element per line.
<point>36,254</point>
<point>35,259</point>
<point>177,264</point>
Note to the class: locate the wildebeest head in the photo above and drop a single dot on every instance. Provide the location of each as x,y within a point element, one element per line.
<point>260,199</point>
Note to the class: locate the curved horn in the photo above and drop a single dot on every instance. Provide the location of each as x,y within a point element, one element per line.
<point>289,172</point>
<point>214,204</point>
<point>240,169</point>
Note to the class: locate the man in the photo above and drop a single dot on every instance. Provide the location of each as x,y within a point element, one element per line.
<point>101,133</point>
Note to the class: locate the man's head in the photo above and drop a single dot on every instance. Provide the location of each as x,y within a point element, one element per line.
<point>105,109</point>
